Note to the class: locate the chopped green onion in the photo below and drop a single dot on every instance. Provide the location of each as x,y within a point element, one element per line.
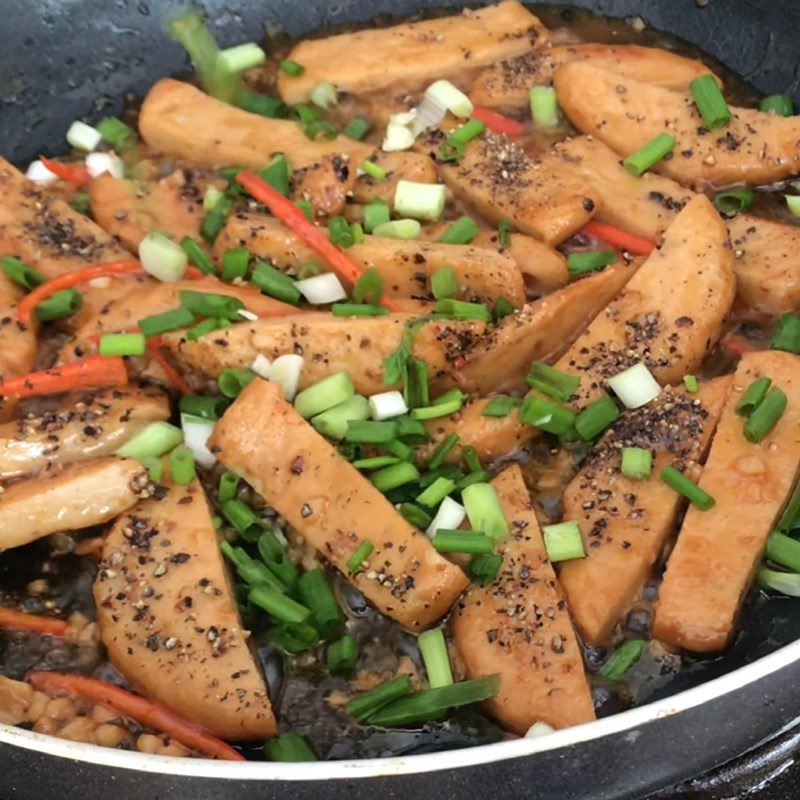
<point>415,515</point>
<point>444,283</point>
<point>400,450</point>
<point>544,106</point>
<point>563,542</point>
<point>116,132</point>
<point>202,328</point>
<point>459,541</point>
<point>587,261</point>
<point>360,556</point>
<point>324,394</point>
<point>443,450</point>
<point>786,582</point>
<point>462,231</point>
<point>504,232</point>
<point>375,462</point>
<point>623,658</point>
<point>784,550</point>
<point>500,406</point>
<point>552,381</point>
<point>376,213</point>
<point>377,172</point>
<point>263,105</point>
<point>357,128</point>
<point>333,422</point>
<point>370,431</point>
<point>735,199</point>
<point>207,304</point>
<point>122,344</point>
<point>765,415</point>
<point>443,406</point>
<point>358,310</point>
<point>241,57</point>
<point>635,386</point>
<point>214,221</point>
<point>710,102</point>
<point>228,486</point>
<point>278,174</point>
<point>340,232</point>
<point>289,747</point>
<point>790,518</point>
<point>419,200</point>
<point>460,309</point>
<point>470,457</point>
<point>753,396</point>
<point>274,555</point>
<point>324,95</point>
<point>691,384</point>
<point>291,67</point>
<point>157,439</point>
<point>234,263</point>
<point>278,605</point>
<point>275,283</point>
<point>596,417</point>
<point>249,569</point>
<point>433,649</point>
<point>642,160</point>
<point>483,568</point>
<point>365,705</point>
<point>432,703</point>
<point>313,130</point>
<point>502,308</point>
<point>154,467</point>
<point>408,427</point>
<point>415,383</point>
<point>358,232</point>
<point>196,255</point>
<point>243,518</point>
<point>454,145</point>
<point>343,655</point>
<point>787,334</point>
<point>637,463</point>
<point>547,416</point>
<point>211,408</point>
<point>168,321</point>
<point>21,273</point>
<point>482,476</point>
<point>59,305</point>
<point>398,229</point>
<point>484,511</point>
<point>82,203</point>
<point>436,492</point>
<point>309,270</point>
<point>793,204</point>
<point>308,210</point>
<point>369,287</point>
<point>231,381</point>
<point>690,490</point>
<point>390,478</point>
<point>317,595</point>
<point>293,639</point>
<point>780,104</point>
<point>181,465</point>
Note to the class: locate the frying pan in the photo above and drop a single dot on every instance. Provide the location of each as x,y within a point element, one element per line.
<point>68,59</point>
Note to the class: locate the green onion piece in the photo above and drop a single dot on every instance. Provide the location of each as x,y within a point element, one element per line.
<point>793,204</point>
<point>59,305</point>
<point>786,582</point>
<point>433,649</point>
<point>357,310</point>
<point>502,308</point>
<point>400,450</point>
<point>780,104</point>
<point>243,518</point>
<point>157,439</point>
<point>291,67</point>
<point>419,200</point>
<point>305,113</point>
<point>390,478</point>
<point>370,431</point>
<point>415,383</point>
<point>358,232</point>
<point>787,334</point>
<point>690,490</point>
<point>445,471</point>
<point>234,263</point>
<point>784,550</point>
<point>484,511</point>
<point>82,203</point>
<point>207,304</point>
<point>445,541</point>
<point>710,102</point>
<point>274,555</point>
<point>214,221</point>
<point>790,518</point>
<point>116,132</point>
<point>483,568</point>
<point>324,95</point>
<point>735,199</point>
<point>439,408</point>
<point>376,213</point>
<point>765,415</point>
<point>369,287</point>
<point>275,283</point>
<point>333,422</point>
<point>316,594</point>
<point>470,457</point>
<point>365,705</point>
<point>232,381</point>
<point>375,462</point>
<point>563,542</point>
<point>154,467</point>
<point>343,655</point>
<point>202,328</point>
<point>204,407</point>
<point>623,658</point>
<point>691,384</point>
<point>415,515</point>
<point>443,450</point>
<point>589,261</point>
<point>122,344</point>
<point>500,406</point>
<point>309,270</point>
<point>547,416</point>
<point>360,556</point>
<point>504,232</point>
<point>308,210</point>
<point>642,160</point>
<point>552,381</point>
<point>289,747</point>
<point>21,273</point>
<point>544,106</point>
<point>460,309</point>
<point>596,417</point>
<point>436,492</point>
<point>753,396</point>
<point>432,703</point>
<point>357,128</point>
<point>376,171</point>
<point>181,465</point>
<point>637,463</point>
<point>398,229</point>
<point>241,57</point>
<point>248,569</point>
<point>320,127</point>
<point>340,232</point>
<point>324,394</point>
<point>196,255</point>
<point>444,283</point>
<point>408,427</point>
<point>293,639</point>
<point>228,486</point>
<point>454,145</point>
<point>278,605</point>
<point>278,174</point>
<point>462,231</point>
<point>482,476</point>
<point>263,105</point>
